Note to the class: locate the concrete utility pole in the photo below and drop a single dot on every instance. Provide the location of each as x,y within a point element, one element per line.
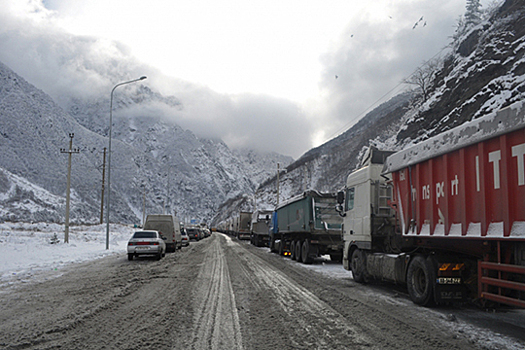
<point>278,171</point>
<point>278,165</point>
<point>68,189</point>
<point>103,179</point>
<point>144,207</point>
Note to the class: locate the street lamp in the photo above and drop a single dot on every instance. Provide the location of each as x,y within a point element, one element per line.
<point>109,152</point>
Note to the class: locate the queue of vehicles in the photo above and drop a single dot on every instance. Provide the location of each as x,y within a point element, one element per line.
<point>445,217</point>
<point>163,233</point>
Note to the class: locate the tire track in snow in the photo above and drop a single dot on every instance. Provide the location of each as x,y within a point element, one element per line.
<point>330,327</point>
<point>216,322</point>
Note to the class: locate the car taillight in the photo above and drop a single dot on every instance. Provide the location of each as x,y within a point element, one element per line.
<point>131,243</point>
<point>154,243</point>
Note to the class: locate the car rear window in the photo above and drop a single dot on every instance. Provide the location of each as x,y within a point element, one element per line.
<point>145,235</point>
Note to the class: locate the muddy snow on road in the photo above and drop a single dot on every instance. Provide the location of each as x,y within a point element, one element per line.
<point>221,293</point>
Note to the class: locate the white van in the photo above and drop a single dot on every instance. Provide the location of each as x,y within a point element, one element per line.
<point>169,228</point>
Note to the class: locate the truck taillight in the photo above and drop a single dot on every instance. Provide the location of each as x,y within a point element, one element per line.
<point>451,267</point>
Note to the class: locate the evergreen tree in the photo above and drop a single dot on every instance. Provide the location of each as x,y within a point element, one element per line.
<point>473,14</point>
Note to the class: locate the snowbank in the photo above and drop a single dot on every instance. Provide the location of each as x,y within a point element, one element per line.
<point>27,248</point>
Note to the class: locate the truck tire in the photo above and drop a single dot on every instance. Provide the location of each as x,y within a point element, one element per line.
<point>420,280</point>
<point>358,266</point>
<point>298,247</point>
<point>281,247</point>
<point>292,251</point>
<point>305,253</point>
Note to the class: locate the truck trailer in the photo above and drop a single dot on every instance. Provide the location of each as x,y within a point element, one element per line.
<point>307,226</point>
<point>244,225</point>
<point>260,228</point>
<point>445,217</point>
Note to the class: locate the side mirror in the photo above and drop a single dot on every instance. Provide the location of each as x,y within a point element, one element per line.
<point>340,197</point>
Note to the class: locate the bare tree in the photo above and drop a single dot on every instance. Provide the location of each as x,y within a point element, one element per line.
<point>423,77</point>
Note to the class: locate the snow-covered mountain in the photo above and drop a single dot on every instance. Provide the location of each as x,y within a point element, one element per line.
<point>484,72</point>
<point>174,170</point>
<point>152,158</point>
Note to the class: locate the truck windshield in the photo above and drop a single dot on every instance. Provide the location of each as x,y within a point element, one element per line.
<point>325,215</point>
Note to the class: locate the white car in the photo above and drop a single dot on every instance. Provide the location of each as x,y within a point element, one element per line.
<point>185,238</point>
<point>146,243</point>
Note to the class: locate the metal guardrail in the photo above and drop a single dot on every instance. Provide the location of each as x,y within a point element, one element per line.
<point>504,286</point>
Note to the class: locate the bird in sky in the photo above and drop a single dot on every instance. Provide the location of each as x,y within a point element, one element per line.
<point>415,24</point>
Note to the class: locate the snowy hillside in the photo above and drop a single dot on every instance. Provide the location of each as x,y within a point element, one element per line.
<point>151,158</point>
<point>484,72</point>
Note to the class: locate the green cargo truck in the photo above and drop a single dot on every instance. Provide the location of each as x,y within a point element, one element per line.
<point>307,227</point>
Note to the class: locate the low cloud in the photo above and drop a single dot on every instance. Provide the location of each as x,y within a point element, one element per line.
<point>362,69</point>
<point>67,66</point>
<point>374,55</point>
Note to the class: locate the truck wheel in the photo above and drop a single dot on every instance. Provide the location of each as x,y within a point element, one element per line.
<point>292,251</point>
<point>130,257</point>
<point>420,280</point>
<point>358,266</point>
<point>281,247</point>
<point>298,247</point>
<point>305,253</point>
<point>272,244</point>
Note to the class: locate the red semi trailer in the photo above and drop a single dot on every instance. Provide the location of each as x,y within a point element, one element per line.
<point>458,225</point>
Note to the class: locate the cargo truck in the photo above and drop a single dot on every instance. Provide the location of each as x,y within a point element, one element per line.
<point>307,226</point>
<point>244,225</point>
<point>445,217</point>
<point>260,228</point>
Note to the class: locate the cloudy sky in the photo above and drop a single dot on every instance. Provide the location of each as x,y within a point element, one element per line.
<point>275,75</point>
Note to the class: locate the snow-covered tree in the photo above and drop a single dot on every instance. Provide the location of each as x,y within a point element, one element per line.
<point>473,13</point>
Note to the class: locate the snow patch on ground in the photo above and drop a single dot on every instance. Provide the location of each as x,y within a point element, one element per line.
<point>26,249</point>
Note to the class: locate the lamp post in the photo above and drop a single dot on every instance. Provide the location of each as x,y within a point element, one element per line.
<point>109,152</point>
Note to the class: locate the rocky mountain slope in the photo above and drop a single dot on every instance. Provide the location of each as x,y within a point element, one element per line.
<point>484,72</point>
<point>152,159</point>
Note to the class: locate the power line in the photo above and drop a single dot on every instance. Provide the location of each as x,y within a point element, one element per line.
<point>345,127</point>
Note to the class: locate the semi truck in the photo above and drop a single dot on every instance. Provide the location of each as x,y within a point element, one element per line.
<point>260,228</point>
<point>445,217</point>
<point>307,226</point>
<point>244,225</point>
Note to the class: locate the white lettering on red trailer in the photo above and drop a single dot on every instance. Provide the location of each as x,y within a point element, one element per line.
<point>454,184</point>
<point>440,191</point>
<point>518,151</point>
<point>426,192</point>
<point>478,185</point>
<point>494,158</point>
